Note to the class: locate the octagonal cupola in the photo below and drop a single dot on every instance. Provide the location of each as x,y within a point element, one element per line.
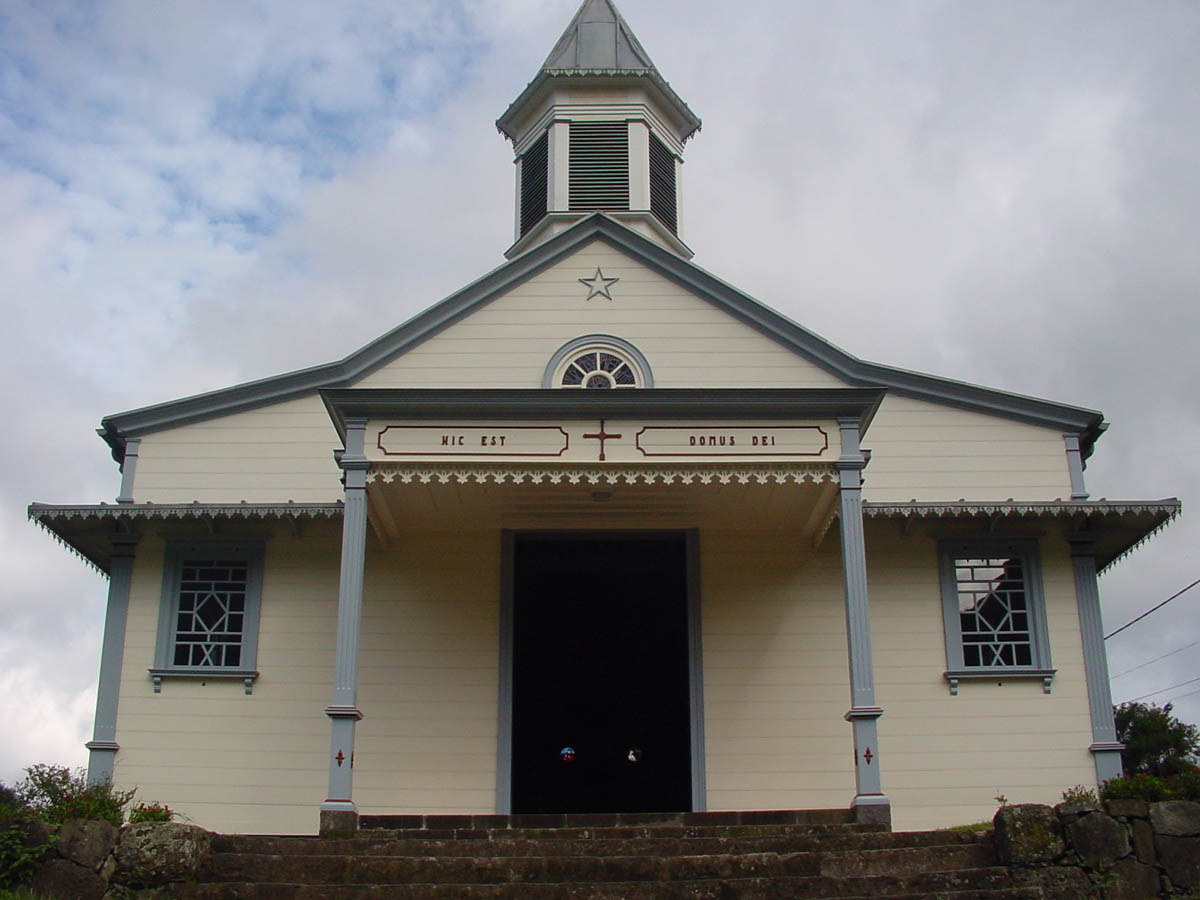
<point>598,130</point>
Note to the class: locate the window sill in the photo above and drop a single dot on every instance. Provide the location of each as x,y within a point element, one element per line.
<point>954,676</point>
<point>246,676</point>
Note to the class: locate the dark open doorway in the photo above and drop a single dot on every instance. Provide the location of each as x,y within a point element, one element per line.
<point>601,705</point>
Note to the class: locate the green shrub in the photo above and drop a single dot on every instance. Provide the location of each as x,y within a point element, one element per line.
<point>55,794</point>
<point>1079,794</point>
<point>9,801</point>
<point>20,851</point>
<point>150,812</point>
<point>1182,786</point>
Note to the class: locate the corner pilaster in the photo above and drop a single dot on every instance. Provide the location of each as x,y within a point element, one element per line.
<point>129,470</point>
<point>1079,489</point>
<point>870,803</point>
<point>103,747</point>
<point>1106,750</point>
<point>339,812</point>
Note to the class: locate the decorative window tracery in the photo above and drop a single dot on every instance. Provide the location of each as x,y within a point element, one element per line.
<point>208,614</point>
<point>994,611</point>
<point>598,362</point>
<point>598,369</point>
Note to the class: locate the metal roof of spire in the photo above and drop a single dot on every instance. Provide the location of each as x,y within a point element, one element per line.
<point>598,38</point>
<point>599,42</point>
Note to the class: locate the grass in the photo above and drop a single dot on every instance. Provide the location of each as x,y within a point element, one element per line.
<point>977,827</point>
<point>20,894</point>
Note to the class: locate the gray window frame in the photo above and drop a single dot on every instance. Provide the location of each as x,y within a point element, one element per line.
<point>1024,549</point>
<point>250,549</point>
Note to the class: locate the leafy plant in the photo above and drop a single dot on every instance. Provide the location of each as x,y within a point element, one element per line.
<point>1156,743</point>
<point>1181,786</point>
<point>1079,794</point>
<point>150,812</point>
<point>20,850</point>
<point>56,794</point>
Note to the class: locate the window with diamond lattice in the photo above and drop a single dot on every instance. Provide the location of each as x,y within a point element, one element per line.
<point>993,607</point>
<point>599,369</point>
<point>212,613</point>
<point>208,616</point>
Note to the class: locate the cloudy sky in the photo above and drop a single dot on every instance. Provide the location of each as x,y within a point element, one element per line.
<point>193,194</point>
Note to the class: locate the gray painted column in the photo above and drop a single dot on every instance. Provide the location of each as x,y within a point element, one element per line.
<point>103,747</point>
<point>1075,467</point>
<point>870,803</point>
<point>338,812</point>
<point>1106,750</point>
<point>129,470</point>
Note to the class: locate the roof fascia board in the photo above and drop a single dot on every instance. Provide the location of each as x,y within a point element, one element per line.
<point>855,372</point>
<point>844,365</point>
<point>543,403</point>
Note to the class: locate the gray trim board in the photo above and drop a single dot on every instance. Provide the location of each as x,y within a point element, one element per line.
<point>696,672</point>
<point>102,748</point>
<point>119,428</point>
<point>504,731</point>
<point>672,403</point>
<point>128,470</point>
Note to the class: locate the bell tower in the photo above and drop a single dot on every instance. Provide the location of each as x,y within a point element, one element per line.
<point>598,130</point>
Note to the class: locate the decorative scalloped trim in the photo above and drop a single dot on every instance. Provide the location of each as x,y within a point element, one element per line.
<point>567,474</point>
<point>90,563</point>
<point>1051,508</point>
<point>40,512</point>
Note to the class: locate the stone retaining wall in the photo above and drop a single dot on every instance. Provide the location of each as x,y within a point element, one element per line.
<point>91,860</point>
<point>1118,850</point>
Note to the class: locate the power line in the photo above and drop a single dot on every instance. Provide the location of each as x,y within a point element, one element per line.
<point>1153,609</point>
<point>1162,690</point>
<point>1181,696</point>
<point>1156,659</point>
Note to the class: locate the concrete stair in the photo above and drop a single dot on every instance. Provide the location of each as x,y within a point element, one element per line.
<point>806,855</point>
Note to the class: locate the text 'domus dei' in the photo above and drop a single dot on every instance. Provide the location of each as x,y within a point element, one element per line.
<point>473,440</point>
<point>791,441</point>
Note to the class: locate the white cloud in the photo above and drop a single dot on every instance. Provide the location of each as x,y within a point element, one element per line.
<point>193,194</point>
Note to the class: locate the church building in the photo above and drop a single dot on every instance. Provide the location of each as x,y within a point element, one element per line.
<point>601,533</point>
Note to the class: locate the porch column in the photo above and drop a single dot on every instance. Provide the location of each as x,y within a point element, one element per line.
<point>103,747</point>
<point>338,812</point>
<point>1106,750</point>
<point>870,803</point>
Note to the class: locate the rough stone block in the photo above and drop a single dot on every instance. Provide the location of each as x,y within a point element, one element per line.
<point>1133,881</point>
<point>62,878</point>
<point>1180,857</point>
<point>1179,818</point>
<point>1069,812</point>
<point>1099,840</point>
<point>86,842</point>
<point>157,853</point>
<point>1058,883</point>
<point>1132,809</point>
<point>1027,834</point>
<point>1143,841</point>
<point>338,821</point>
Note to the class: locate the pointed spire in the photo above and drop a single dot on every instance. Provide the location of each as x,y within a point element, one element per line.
<point>599,44</point>
<point>598,38</point>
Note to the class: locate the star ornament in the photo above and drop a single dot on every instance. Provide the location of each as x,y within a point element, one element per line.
<point>598,285</point>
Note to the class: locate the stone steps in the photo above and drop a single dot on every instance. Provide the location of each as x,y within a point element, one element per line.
<point>744,857</point>
<point>968,884</point>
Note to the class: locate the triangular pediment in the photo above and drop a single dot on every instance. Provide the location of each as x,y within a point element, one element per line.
<point>739,317</point>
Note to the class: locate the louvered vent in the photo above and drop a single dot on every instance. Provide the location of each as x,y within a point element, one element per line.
<point>534,171</point>
<point>599,165</point>
<point>662,184</point>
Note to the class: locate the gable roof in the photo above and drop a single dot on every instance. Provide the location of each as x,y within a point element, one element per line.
<point>854,372</point>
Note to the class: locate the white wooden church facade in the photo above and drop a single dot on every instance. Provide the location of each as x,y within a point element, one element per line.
<point>601,532</point>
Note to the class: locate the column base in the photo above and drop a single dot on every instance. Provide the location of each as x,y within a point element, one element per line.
<point>872,809</point>
<point>102,757</point>
<point>338,817</point>
<point>1107,756</point>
